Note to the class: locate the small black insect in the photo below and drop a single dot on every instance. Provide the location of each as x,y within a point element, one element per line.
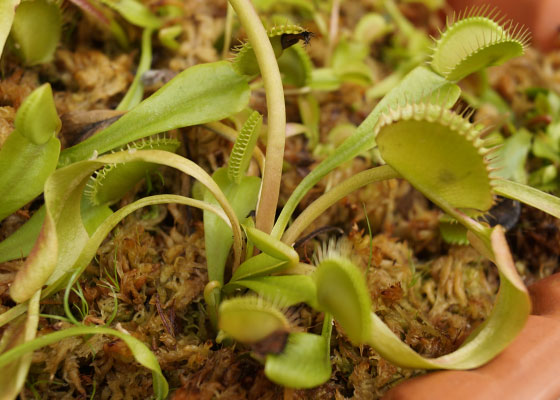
<point>289,39</point>
<point>505,212</point>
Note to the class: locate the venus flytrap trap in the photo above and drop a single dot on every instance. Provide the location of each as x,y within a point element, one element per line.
<point>113,181</point>
<point>281,37</point>
<point>476,41</point>
<point>30,153</point>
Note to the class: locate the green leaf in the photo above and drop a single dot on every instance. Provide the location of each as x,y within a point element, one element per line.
<point>546,147</point>
<point>419,84</point>
<point>310,113</point>
<point>200,94</point>
<point>139,350</point>
<point>7,13</point>
<point>510,163</point>
<point>93,215</point>
<point>528,195</point>
<point>30,153</point>
<point>304,363</point>
<point>13,375</point>
<point>250,319</point>
<point>295,66</point>
<point>35,45</point>
<point>135,92</point>
<point>25,168</point>
<point>452,231</point>
<point>348,62</point>
<point>134,12</point>
<point>37,119</point>
<point>20,243</point>
<point>342,292</point>
<point>112,182</point>
<point>545,178</point>
<point>218,236</point>
<point>259,265</point>
<point>168,35</point>
<point>324,79</point>
<point>371,27</point>
<point>285,290</point>
<point>271,246</point>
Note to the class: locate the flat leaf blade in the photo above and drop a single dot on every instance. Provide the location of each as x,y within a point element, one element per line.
<point>528,195</point>
<point>304,362</point>
<point>200,94</point>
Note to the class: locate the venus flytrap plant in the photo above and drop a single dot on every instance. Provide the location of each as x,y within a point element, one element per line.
<point>340,284</point>
<point>438,151</point>
<point>281,37</point>
<point>452,169</point>
<point>63,193</point>
<point>64,245</point>
<point>200,94</point>
<point>419,84</point>
<point>250,311</point>
<point>242,197</point>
